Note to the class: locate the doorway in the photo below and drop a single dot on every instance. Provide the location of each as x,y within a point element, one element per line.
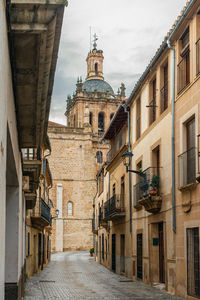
<point>122,253</point>
<point>161,253</point>
<point>114,252</point>
<point>139,257</point>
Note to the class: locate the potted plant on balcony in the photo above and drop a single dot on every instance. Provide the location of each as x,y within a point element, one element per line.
<point>154,185</point>
<point>198,179</point>
<point>91,251</point>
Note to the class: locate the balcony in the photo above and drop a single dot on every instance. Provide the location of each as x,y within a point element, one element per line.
<point>147,191</point>
<point>102,221</point>
<point>41,215</point>
<point>114,208</point>
<point>31,168</point>
<point>164,98</point>
<point>187,169</point>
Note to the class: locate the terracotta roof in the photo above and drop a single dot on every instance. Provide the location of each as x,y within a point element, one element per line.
<point>54,124</point>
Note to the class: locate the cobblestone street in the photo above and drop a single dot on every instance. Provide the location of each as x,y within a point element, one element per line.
<point>75,275</point>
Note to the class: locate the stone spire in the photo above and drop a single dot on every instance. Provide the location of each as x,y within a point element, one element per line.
<point>122,88</point>
<point>86,123</point>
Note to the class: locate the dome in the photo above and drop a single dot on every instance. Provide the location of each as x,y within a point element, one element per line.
<point>98,85</point>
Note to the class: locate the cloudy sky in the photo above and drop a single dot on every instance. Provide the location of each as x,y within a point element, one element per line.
<point>129,33</point>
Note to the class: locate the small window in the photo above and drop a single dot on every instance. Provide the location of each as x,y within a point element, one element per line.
<point>99,157</point>
<point>101,122</point>
<point>91,117</point>
<point>96,67</point>
<point>69,208</point>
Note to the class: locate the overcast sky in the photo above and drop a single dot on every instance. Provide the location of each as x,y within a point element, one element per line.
<point>129,32</point>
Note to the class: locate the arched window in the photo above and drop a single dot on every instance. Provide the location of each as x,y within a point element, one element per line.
<point>101,122</point>
<point>99,157</point>
<point>96,67</point>
<point>90,118</point>
<point>69,208</point>
<point>111,116</point>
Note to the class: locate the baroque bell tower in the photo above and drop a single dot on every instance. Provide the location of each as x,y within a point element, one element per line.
<point>95,62</point>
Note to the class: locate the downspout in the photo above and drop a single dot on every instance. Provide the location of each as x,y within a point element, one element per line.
<point>173,142</point>
<point>127,110</point>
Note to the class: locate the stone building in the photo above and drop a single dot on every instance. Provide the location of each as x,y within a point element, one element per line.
<point>29,41</point>
<point>165,141</point>
<point>77,154</point>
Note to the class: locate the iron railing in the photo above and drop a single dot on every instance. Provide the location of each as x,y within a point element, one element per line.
<point>164,98</point>
<point>152,112</point>
<point>198,56</point>
<point>187,167</point>
<point>45,211</point>
<point>149,181</point>
<point>184,71</point>
<point>112,205</point>
<point>31,154</point>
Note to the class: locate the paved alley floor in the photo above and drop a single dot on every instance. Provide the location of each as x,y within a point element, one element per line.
<point>75,275</point>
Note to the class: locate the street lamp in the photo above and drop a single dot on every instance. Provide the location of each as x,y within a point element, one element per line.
<point>127,156</point>
<point>56,216</point>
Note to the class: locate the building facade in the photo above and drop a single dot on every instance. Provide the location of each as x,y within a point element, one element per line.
<point>77,154</point>
<point>164,140</point>
<point>27,67</point>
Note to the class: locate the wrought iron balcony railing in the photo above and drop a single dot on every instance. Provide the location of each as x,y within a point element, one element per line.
<point>187,167</point>
<point>183,69</point>
<point>115,205</point>
<point>45,211</point>
<point>148,184</point>
<point>164,98</point>
<point>31,154</point>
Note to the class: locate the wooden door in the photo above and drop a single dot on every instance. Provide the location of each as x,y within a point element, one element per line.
<point>122,253</point>
<point>161,253</point>
<point>139,256</point>
<point>114,252</point>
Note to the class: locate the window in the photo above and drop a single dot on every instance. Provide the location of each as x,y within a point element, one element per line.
<point>99,157</point>
<point>96,67</point>
<point>138,118</point>
<point>101,122</point>
<point>198,43</point>
<point>152,104</point>
<point>164,89</point>
<point>122,198</point>
<point>193,262</point>
<point>111,116</point>
<point>69,208</point>
<point>137,186</point>
<point>101,182</point>
<point>184,64</point>
<point>187,161</point>
<point>102,246</point>
<point>90,118</point>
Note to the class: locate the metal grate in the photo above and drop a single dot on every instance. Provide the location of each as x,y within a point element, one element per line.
<point>164,98</point>
<point>187,167</point>
<point>193,262</point>
<point>184,72</point>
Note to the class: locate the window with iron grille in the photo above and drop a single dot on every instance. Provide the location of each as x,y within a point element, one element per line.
<point>193,262</point>
<point>164,90</point>
<point>152,104</point>
<point>183,68</point>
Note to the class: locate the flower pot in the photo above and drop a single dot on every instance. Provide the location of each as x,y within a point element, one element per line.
<point>152,192</point>
<point>91,254</point>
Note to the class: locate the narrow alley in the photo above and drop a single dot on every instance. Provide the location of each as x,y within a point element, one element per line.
<point>75,275</point>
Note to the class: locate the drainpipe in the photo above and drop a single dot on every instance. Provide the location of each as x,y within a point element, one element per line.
<point>127,110</point>
<point>173,144</point>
